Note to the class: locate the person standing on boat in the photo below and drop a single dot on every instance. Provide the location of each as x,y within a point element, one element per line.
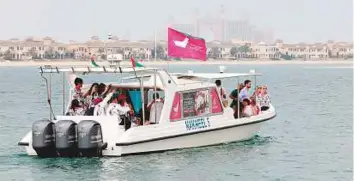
<point>120,107</point>
<point>155,108</point>
<point>235,99</point>
<point>220,89</point>
<point>246,91</point>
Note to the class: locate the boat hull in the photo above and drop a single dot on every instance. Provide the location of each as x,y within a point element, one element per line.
<point>171,136</point>
<point>198,139</point>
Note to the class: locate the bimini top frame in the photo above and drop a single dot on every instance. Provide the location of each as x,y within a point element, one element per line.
<point>86,70</point>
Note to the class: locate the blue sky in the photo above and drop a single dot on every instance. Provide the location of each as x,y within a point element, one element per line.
<point>291,20</point>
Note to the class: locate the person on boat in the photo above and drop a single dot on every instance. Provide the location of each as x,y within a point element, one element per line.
<point>103,90</point>
<point>154,100</point>
<point>78,92</point>
<point>257,92</point>
<point>120,107</point>
<point>92,92</point>
<point>234,97</point>
<point>155,107</point>
<point>76,109</point>
<point>247,108</point>
<point>255,108</point>
<point>91,108</point>
<point>246,91</point>
<point>220,90</point>
<point>263,100</point>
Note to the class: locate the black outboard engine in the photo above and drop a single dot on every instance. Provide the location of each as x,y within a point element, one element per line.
<point>66,138</point>
<point>90,141</point>
<point>43,138</point>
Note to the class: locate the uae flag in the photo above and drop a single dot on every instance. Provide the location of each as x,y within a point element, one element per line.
<point>134,63</point>
<point>182,45</point>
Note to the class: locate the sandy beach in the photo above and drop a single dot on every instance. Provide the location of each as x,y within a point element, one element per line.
<point>152,63</point>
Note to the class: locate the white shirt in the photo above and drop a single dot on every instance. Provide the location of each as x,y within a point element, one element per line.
<point>77,112</point>
<point>155,111</point>
<point>116,109</point>
<point>221,92</point>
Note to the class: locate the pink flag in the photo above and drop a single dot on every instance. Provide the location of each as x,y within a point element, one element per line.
<point>181,45</point>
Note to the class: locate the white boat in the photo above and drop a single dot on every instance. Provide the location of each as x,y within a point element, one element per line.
<point>180,124</point>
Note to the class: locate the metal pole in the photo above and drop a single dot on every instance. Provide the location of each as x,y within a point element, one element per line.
<point>50,95</point>
<point>155,95</point>
<point>142,98</point>
<point>255,86</point>
<point>63,93</point>
<point>155,46</point>
<point>238,101</point>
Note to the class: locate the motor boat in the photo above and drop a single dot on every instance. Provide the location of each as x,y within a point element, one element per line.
<point>192,115</point>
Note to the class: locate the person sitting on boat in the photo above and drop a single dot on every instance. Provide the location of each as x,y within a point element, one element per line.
<point>76,109</point>
<point>255,108</point>
<point>263,100</point>
<point>247,108</point>
<point>93,104</point>
<point>78,92</point>
<point>234,97</point>
<point>246,91</point>
<point>155,108</point>
<point>257,92</point>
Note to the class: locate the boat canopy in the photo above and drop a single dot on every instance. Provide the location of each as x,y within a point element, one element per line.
<point>49,69</point>
<point>213,75</point>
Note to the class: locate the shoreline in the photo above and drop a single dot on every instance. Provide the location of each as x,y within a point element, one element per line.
<point>189,62</point>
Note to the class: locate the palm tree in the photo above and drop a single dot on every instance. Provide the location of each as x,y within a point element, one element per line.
<point>234,51</point>
<point>49,53</point>
<point>159,52</point>
<point>215,52</point>
<point>32,52</point>
<point>8,55</point>
<point>244,49</point>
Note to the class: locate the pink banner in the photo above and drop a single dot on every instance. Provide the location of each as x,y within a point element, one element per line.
<point>175,113</point>
<point>215,101</point>
<point>181,45</point>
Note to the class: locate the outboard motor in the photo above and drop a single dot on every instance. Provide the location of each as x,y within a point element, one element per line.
<point>66,138</point>
<point>43,138</point>
<point>90,141</point>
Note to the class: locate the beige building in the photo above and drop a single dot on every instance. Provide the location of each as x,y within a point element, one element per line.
<point>265,51</point>
<point>37,48</point>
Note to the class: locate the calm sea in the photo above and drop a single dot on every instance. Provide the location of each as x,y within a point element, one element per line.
<point>310,139</point>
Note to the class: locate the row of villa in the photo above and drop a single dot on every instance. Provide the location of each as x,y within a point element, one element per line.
<point>47,48</point>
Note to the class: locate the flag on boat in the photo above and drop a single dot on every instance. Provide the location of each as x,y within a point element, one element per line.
<point>134,63</point>
<point>182,45</point>
<point>93,63</point>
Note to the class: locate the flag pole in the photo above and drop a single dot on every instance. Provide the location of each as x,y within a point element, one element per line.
<point>168,61</point>
<point>155,45</point>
